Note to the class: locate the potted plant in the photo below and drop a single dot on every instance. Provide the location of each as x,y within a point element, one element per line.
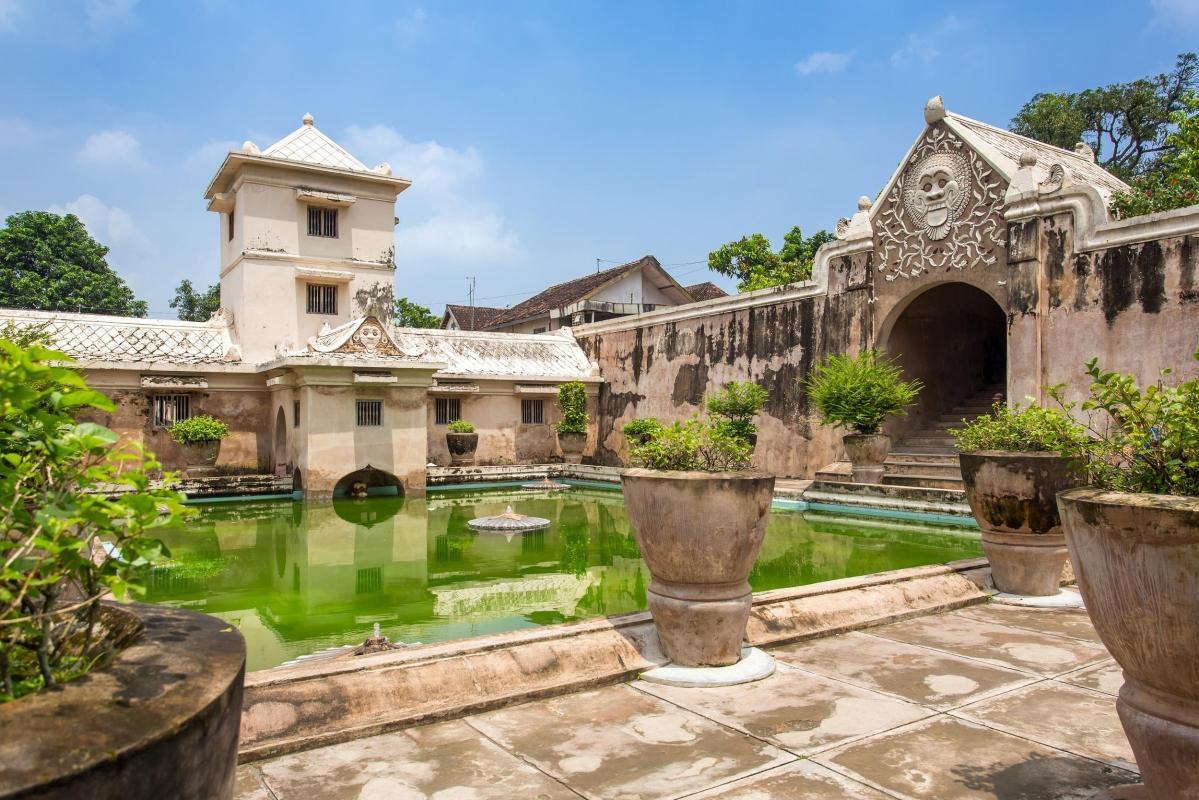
<point>699,516</point>
<point>1134,544</point>
<point>200,438</point>
<point>859,393</point>
<point>737,403</point>
<point>1013,467</point>
<point>462,442</point>
<point>98,699</point>
<point>572,429</point>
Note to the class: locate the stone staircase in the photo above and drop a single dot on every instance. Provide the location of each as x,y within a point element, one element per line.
<point>926,458</point>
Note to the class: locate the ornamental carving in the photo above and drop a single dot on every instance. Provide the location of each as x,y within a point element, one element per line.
<point>369,340</point>
<point>943,212</point>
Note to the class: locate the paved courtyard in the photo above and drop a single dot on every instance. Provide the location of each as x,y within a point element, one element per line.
<point>986,702</point>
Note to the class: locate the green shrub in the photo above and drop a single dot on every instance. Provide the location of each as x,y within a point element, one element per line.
<point>52,472</point>
<point>1021,430</point>
<point>737,403</point>
<point>572,402</point>
<point>694,445</point>
<point>198,430</point>
<point>1145,439</point>
<point>461,426</point>
<point>861,391</point>
<point>640,431</point>
<point>1173,180</point>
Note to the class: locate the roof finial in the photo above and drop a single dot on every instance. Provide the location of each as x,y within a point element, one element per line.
<point>307,120</point>
<point>934,110</point>
<point>1028,158</point>
<point>864,203</point>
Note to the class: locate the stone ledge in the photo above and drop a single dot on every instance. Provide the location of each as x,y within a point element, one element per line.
<point>295,708</point>
<point>505,473</point>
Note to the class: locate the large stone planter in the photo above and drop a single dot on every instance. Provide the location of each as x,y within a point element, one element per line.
<point>1136,558</point>
<point>200,459</point>
<point>572,445</point>
<point>159,720</point>
<point>867,452</point>
<point>699,533</point>
<point>462,448</point>
<point>1013,497</point>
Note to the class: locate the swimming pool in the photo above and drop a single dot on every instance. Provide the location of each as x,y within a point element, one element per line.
<point>299,577</point>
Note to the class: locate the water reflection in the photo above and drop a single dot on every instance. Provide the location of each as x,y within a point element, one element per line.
<point>297,578</point>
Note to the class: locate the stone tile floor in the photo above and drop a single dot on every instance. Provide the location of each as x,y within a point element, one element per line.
<point>988,702</point>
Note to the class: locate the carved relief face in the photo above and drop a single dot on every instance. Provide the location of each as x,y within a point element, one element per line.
<point>936,192</point>
<point>369,337</point>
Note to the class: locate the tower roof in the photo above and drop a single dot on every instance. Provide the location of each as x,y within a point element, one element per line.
<point>308,145</point>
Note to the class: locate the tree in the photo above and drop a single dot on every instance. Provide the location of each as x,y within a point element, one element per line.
<point>50,263</point>
<point>755,265</point>
<point>1126,124</point>
<point>196,306</point>
<point>1174,180</point>
<point>413,315</point>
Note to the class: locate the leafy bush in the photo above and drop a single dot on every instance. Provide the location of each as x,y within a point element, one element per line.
<point>1173,182</point>
<point>461,426</point>
<point>640,431</point>
<point>1146,439</point>
<point>198,430</point>
<point>572,402</point>
<point>1022,430</point>
<point>51,472</point>
<point>861,391</point>
<point>737,403</point>
<point>694,445</point>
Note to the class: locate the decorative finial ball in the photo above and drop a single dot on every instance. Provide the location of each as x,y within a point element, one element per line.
<point>1028,159</point>
<point>864,203</point>
<point>934,110</point>
<point>249,148</point>
<point>307,120</point>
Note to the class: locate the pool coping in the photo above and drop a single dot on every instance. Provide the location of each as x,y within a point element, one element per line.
<point>315,703</point>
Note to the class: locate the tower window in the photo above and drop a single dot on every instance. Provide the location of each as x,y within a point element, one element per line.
<point>322,221</point>
<point>322,298</point>
<point>532,412</point>
<point>231,224</point>
<point>446,410</point>
<point>370,413</point>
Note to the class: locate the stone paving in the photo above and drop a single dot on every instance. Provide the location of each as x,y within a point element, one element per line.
<point>987,702</point>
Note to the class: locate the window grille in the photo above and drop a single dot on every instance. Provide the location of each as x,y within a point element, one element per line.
<point>447,409</point>
<point>231,224</point>
<point>295,413</point>
<point>370,413</point>
<point>170,408</point>
<point>532,412</point>
<point>539,330</point>
<point>322,222</point>
<point>368,580</point>
<point>322,298</point>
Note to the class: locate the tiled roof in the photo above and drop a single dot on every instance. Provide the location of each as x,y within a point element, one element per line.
<point>483,316</point>
<point>563,294</point>
<point>706,291</point>
<point>92,337</point>
<point>308,145</point>
<point>502,355</point>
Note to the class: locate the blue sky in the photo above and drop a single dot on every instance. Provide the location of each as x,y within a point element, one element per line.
<point>539,136</point>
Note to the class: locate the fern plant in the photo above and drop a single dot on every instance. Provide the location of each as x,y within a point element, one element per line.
<point>860,392</point>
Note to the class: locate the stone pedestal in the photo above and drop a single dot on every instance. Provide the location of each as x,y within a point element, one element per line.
<point>867,452</point>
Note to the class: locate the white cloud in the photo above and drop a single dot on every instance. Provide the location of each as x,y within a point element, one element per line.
<point>431,166</point>
<point>462,238</point>
<point>105,15</point>
<point>824,61</point>
<point>16,132</point>
<point>1184,13</point>
<point>208,156</point>
<point>113,148</point>
<point>109,225</point>
<point>411,27</point>
<point>10,12</point>
<point>925,46</point>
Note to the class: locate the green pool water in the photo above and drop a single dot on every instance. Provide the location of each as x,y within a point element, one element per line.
<point>297,578</point>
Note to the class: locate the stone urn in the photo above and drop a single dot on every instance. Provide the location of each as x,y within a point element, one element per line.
<point>462,448</point>
<point>200,458</point>
<point>572,445</point>
<point>699,533</point>
<point>867,452</point>
<point>1136,559</point>
<point>1013,498</point>
<point>159,719</point>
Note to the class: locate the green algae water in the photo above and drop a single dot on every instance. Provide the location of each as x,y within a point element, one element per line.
<point>297,578</point>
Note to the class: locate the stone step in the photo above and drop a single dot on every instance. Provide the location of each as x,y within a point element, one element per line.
<point>949,470</point>
<point>937,457</point>
<point>926,450</point>
<point>945,442</point>
<point>923,481</point>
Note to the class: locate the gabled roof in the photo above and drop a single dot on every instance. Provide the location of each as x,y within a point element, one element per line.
<point>483,316</point>
<point>308,145</point>
<point>706,291</point>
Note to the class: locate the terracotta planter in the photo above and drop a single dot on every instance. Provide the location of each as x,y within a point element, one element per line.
<point>1013,497</point>
<point>867,452</point>
<point>462,448</point>
<point>572,445</point>
<point>200,458</point>
<point>699,533</point>
<point>159,720</point>
<point>1136,558</point>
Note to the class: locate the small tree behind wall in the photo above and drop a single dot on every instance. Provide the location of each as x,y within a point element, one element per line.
<point>572,402</point>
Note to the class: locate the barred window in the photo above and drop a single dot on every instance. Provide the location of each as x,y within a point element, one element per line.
<point>231,224</point>
<point>368,580</point>
<point>370,413</point>
<point>295,413</point>
<point>322,298</point>
<point>446,410</point>
<point>170,408</point>
<point>322,222</point>
<point>532,412</point>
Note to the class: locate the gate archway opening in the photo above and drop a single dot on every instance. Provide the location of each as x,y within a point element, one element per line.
<point>373,480</point>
